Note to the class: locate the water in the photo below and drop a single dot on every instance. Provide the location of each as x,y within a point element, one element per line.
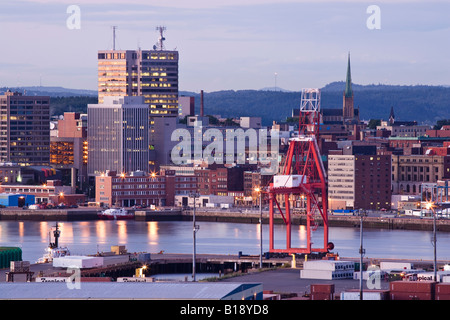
<point>88,237</point>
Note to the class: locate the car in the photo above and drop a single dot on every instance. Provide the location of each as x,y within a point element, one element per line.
<point>73,206</point>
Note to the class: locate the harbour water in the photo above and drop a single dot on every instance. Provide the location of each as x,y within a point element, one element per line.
<point>89,237</point>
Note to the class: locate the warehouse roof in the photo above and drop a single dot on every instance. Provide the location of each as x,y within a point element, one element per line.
<point>140,290</point>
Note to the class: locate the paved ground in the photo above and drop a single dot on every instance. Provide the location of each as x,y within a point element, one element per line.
<point>287,280</point>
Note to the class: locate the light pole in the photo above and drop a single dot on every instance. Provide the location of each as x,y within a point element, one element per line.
<point>430,206</point>
<point>259,190</point>
<point>194,231</point>
<point>362,251</point>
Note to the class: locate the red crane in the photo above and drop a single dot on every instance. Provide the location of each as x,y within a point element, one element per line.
<point>303,175</point>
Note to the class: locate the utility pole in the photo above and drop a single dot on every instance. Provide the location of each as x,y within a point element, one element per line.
<point>430,206</point>
<point>195,229</point>
<point>260,231</point>
<point>362,251</point>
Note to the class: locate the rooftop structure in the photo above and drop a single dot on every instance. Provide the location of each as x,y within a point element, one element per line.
<point>135,290</point>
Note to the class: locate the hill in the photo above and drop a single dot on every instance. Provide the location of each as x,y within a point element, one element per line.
<point>425,104</point>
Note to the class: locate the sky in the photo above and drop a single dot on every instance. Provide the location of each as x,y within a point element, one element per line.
<point>231,44</point>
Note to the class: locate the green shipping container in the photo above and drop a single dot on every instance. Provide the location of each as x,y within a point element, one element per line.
<point>8,254</point>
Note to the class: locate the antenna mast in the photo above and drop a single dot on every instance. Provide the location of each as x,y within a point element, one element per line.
<point>161,39</point>
<point>114,37</point>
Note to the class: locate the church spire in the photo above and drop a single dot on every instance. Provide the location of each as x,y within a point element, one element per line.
<point>348,82</point>
<point>392,116</point>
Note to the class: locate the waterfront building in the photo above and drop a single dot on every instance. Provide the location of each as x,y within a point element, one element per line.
<point>359,181</point>
<point>24,129</point>
<point>16,200</point>
<point>410,171</point>
<point>118,135</point>
<point>140,188</point>
<point>52,192</point>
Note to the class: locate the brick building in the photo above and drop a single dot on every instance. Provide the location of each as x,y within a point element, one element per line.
<point>139,188</point>
<point>359,182</point>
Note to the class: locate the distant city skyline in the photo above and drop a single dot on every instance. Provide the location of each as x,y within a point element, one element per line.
<point>231,45</point>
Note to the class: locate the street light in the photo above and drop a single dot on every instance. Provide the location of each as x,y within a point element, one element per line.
<point>259,190</point>
<point>194,231</point>
<point>431,206</point>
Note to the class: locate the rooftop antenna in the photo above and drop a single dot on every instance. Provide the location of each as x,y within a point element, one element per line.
<point>114,37</point>
<point>161,39</point>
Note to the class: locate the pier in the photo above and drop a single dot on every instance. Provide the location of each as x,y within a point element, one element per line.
<point>163,263</point>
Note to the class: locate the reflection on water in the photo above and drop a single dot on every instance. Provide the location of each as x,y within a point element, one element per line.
<point>88,237</point>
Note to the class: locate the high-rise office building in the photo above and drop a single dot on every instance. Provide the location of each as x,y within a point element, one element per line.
<point>24,129</point>
<point>118,135</point>
<point>152,74</point>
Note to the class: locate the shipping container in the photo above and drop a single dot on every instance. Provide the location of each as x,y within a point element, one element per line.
<point>136,279</point>
<point>8,254</point>
<point>77,262</point>
<point>443,288</point>
<point>96,279</point>
<point>115,259</point>
<point>288,181</point>
<point>322,296</point>
<point>429,276</point>
<point>330,265</point>
<point>144,257</point>
<point>412,286</point>
<point>387,265</point>
<point>118,249</point>
<point>322,288</point>
<point>19,266</point>
<point>367,295</point>
<point>326,274</point>
<point>399,295</point>
<point>53,279</point>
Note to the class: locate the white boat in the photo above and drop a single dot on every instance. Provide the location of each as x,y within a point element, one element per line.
<point>54,250</point>
<point>52,253</point>
<point>115,214</point>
